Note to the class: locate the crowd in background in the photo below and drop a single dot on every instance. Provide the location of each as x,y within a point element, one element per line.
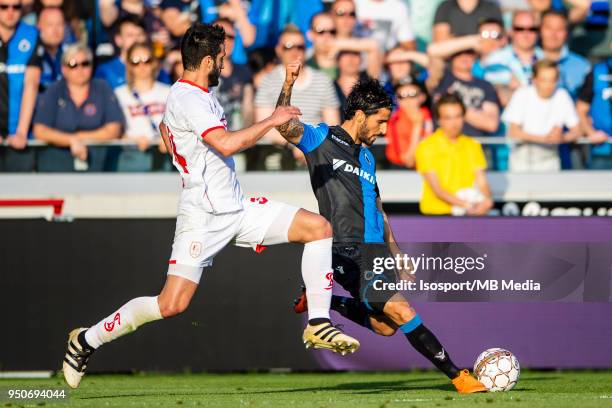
<point>538,72</point>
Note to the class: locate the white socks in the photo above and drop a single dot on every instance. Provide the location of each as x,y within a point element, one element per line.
<point>318,277</point>
<point>134,313</point>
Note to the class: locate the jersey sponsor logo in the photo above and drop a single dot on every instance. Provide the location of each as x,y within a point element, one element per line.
<point>195,249</point>
<point>110,326</point>
<point>24,45</point>
<point>330,277</point>
<point>349,168</point>
<point>12,69</point>
<point>337,139</point>
<point>337,163</point>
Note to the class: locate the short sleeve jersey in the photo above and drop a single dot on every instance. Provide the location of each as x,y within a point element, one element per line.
<point>343,178</point>
<point>209,179</point>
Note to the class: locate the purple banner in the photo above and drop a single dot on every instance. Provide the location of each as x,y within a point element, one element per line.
<point>540,334</point>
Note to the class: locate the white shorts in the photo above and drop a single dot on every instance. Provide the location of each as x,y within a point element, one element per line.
<point>198,238</point>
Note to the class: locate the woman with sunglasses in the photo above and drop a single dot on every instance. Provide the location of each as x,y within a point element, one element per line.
<point>409,124</point>
<point>143,100</point>
<point>73,112</point>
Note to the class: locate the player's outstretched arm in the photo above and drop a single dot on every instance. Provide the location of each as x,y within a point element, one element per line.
<point>292,130</point>
<point>230,143</point>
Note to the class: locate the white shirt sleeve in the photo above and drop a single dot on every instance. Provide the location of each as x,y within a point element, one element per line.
<point>202,114</point>
<point>515,111</point>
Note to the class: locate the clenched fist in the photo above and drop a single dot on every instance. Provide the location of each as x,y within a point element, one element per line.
<point>292,70</point>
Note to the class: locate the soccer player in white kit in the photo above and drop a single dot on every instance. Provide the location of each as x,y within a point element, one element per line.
<point>213,211</point>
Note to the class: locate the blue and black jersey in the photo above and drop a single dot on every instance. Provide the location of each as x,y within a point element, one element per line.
<point>20,52</point>
<point>597,92</point>
<point>343,177</point>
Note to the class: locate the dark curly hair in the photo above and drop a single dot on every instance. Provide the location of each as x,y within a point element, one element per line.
<point>199,41</point>
<point>368,96</point>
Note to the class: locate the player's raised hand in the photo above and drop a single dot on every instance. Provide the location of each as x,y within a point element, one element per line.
<point>283,114</point>
<point>292,70</point>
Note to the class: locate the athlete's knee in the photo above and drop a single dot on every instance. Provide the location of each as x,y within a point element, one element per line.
<point>399,312</point>
<point>172,307</point>
<point>321,229</point>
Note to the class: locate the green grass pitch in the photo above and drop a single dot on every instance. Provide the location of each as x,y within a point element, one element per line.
<point>354,390</point>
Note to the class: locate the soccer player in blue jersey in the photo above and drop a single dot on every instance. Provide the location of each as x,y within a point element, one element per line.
<point>343,177</point>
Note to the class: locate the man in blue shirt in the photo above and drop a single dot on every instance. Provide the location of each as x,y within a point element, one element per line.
<point>595,110</point>
<point>554,34</point>
<point>19,78</point>
<point>52,27</point>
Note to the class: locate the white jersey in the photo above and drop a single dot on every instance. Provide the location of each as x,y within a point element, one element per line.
<point>209,179</point>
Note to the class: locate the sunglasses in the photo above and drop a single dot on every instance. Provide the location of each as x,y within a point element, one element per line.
<point>137,61</point>
<point>291,46</point>
<point>519,29</point>
<point>73,64</point>
<point>343,13</point>
<point>491,35</point>
<point>322,31</point>
<point>408,94</point>
<point>16,7</point>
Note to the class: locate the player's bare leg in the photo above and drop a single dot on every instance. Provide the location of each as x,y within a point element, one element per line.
<point>173,299</point>
<point>315,233</point>
<point>399,311</point>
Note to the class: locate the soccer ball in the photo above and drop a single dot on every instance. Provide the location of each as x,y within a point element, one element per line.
<point>497,369</point>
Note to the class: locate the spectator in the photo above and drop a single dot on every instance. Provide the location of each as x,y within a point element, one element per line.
<point>536,116</point>
<point>143,100</point>
<point>594,35</point>
<point>19,79</point>
<point>490,38</point>
<point>313,92</point>
<point>74,11</point>
<point>452,164</point>
<point>326,47</point>
<point>478,95</point>
<point>518,58</point>
<point>178,15</point>
<point>388,22</point>
<point>112,11</point>
<point>456,18</point>
<point>409,124</point>
<point>573,68</point>
<point>261,62</point>
<point>594,109</point>
<point>235,91</point>
<point>52,27</point>
<point>399,64</point>
<point>349,63</point>
<point>74,111</point>
<point>577,11</point>
<point>130,30</point>
<point>345,18</point>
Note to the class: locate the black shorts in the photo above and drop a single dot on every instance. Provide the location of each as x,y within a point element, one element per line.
<point>354,270</point>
